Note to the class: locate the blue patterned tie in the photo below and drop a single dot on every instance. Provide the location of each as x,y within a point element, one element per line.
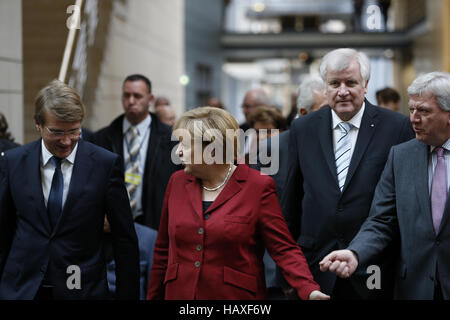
<point>54,203</point>
<point>342,153</point>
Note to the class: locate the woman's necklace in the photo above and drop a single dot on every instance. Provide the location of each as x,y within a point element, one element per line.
<point>224,181</point>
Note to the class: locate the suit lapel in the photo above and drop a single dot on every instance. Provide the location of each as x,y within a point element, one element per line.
<point>231,188</point>
<point>34,179</point>
<point>421,182</point>
<point>194,192</point>
<point>326,142</point>
<point>81,172</point>
<point>367,129</point>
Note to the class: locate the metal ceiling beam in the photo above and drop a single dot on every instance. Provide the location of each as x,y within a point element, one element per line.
<point>237,46</point>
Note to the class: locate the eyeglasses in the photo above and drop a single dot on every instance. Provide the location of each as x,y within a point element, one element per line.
<point>74,133</point>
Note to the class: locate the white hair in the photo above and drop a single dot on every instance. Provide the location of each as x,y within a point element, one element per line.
<point>305,91</point>
<point>340,59</point>
<point>436,83</point>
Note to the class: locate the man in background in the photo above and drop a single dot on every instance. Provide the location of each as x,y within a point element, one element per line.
<point>144,144</point>
<point>388,98</point>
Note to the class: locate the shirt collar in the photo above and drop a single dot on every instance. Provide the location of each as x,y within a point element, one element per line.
<point>141,126</point>
<point>46,155</point>
<point>355,121</point>
<point>445,145</point>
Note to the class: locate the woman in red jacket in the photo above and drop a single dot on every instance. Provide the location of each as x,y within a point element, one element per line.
<point>217,219</point>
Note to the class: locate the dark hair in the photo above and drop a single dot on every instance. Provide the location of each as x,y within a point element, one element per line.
<point>4,132</point>
<point>387,95</point>
<point>268,114</point>
<point>140,77</point>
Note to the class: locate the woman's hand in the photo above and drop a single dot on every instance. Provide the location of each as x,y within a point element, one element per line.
<point>317,295</point>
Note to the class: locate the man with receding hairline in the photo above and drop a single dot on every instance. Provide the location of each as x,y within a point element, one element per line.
<point>144,144</point>
<point>253,99</point>
<point>336,157</point>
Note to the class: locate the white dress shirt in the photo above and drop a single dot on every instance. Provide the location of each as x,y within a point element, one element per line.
<point>432,162</point>
<point>48,170</point>
<point>143,138</point>
<point>353,133</point>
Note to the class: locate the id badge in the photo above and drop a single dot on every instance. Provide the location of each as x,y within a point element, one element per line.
<point>132,178</point>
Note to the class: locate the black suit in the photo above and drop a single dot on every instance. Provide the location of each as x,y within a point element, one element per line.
<point>158,164</point>
<point>318,214</point>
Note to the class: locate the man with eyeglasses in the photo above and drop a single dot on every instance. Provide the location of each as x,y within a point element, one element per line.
<point>54,194</point>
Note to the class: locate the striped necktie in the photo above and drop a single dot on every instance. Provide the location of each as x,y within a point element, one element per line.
<point>132,166</point>
<point>342,153</point>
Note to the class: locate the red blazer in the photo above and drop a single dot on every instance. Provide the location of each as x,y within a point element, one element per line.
<point>222,257</point>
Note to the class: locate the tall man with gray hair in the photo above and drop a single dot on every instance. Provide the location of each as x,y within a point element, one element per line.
<point>411,201</point>
<point>336,157</point>
<point>54,194</point>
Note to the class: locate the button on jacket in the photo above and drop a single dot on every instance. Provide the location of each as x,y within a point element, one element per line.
<point>222,257</point>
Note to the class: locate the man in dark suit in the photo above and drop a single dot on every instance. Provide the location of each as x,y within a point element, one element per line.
<point>145,145</point>
<point>411,201</point>
<point>54,194</point>
<point>336,157</point>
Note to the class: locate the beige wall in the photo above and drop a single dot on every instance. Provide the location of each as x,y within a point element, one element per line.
<point>11,64</point>
<point>144,37</point>
<point>430,52</point>
<point>429,49</point>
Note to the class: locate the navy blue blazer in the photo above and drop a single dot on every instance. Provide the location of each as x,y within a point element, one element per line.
<point>319,216</point>
<point>29,249</point>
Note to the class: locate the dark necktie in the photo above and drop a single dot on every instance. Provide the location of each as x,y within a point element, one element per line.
<point>438,189</point>
<point>54,203</point>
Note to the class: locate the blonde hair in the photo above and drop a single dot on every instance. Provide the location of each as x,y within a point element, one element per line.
<point>208,124</point>
<point>61,100</point>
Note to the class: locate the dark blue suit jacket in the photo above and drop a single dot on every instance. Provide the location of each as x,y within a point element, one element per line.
<point>29,249</point>
<point>319,216</point>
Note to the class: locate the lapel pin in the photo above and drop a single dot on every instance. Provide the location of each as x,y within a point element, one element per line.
<point>372,125</point>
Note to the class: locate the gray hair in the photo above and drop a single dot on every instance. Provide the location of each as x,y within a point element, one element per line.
<point>340,59</point>
<point>436,83</point>
<point>305,91</point>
